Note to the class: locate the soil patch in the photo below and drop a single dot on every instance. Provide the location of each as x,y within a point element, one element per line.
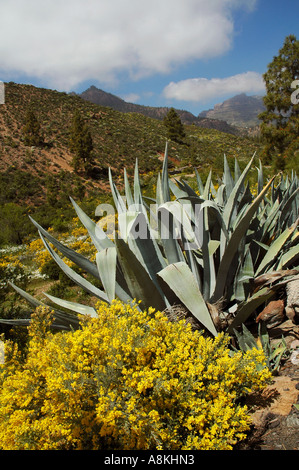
<point>275,418</point>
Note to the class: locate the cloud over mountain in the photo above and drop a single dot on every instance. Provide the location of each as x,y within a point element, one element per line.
<point>64,43</point>
<point>203,89</point>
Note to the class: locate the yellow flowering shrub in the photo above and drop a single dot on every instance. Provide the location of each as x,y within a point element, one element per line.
<point>77,239</point>
<point>126,380</point>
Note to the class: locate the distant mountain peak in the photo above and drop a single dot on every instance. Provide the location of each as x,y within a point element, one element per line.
<point>240,110</point>
<point>103,98</point>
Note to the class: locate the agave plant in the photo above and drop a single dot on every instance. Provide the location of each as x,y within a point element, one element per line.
<point>219,253</point>
<point>275,354</point>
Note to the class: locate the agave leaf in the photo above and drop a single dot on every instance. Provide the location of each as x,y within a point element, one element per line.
<point>74,306</point>
<point>245,274</point>
<point>206,193</point>
<point>125,223</point>
<point>98,236</point>
<point>141,286</point>
<point>164,179</point>
<point>212,206</point>
<point>234,192</point>
<point>137,186</point>
<point>213,246</point>
<point>199,182</point>
<point>249,338</point>
<point>187,188</point>
<point>129,196</point>
<point>194,265</point>
<point>106,262</point>
<point>180,279</point>
<point>275,248</point>
<point>159,194</point>
<point>287,204</point>
<point>245,339</point>
<point>79,280</point>
<point>227,177</point>
<point>233,245</point>
<point>260,178</point>
<point>169,237</point>
<point>26,322</point>
<point>264,337</point>
<point>16,321</point>
<point>146,247</point>
<point>270,222</point>
<point>181,217</point>
<point>246,308</point>
<point>209,275</point>
<point>118,200</point>
<point>178,192</point>
<point>72,255</point>
<point>34,302</point>
<point>237,171</point>
<point>62,319</point>
<point>220,196</point>
<point>289,257</point>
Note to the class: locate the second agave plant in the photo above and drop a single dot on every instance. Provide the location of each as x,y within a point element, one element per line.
<point>220,254</point>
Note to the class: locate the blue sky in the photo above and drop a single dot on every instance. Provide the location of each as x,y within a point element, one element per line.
<point>190,54</point>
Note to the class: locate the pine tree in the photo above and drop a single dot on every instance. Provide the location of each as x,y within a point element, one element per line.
<point>280,120</point>
<point>32,130</point>
<point>80,143</point>
<point>175,128</point>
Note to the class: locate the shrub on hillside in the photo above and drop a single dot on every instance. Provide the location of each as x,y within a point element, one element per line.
<point>126,380</point>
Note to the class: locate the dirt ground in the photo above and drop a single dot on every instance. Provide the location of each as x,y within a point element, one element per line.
<point>275,418</point>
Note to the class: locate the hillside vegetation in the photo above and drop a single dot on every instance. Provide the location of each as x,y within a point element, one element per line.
<point>40,179</point>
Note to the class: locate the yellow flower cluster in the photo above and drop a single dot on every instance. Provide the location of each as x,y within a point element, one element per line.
<point>37,250</point>
<point>77,239</point>
<point>10,262</point>
<point>126,379</point>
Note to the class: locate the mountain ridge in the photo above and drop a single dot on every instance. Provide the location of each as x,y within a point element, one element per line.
<point>103,98</point>
<point>38,180</point>
<point>241,110</point>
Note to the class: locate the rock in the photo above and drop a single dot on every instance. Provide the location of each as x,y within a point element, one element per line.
<point>290,313</point>
<point>292,304</point>
<point>273,314</point>
<point>277,399</point>
<point>288,330</point>
<point>292,289</point>
<point>292,421</point>
<point>295,358</point>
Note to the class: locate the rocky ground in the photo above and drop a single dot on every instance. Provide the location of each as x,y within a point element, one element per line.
<point>275,418</point>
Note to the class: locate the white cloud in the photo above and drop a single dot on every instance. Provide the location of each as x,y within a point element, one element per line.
<point>64,42</point>
<point>131,98</point>
<point>203,89</point>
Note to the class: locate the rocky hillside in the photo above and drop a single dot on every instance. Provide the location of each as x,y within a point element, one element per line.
<point>100,97</point>
<point>39,179</point>
<point>241,110</point>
